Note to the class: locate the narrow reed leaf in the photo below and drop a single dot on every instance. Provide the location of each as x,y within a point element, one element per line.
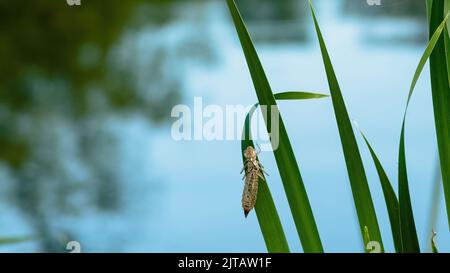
<point>447,38</point>
<point>447,53</point>
<point>266,211</point>
<point>389,197</point>
<point>441,96</point>
<point>298,96</point>
<point>446,11</point>
<point>434,39</point>
<point>14,240</point>
<point>429,5</point>
<point>284,155</point>
<point>357,176</point>
<point>410,241</point>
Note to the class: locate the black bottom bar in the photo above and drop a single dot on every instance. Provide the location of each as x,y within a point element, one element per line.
<point>218,262</point>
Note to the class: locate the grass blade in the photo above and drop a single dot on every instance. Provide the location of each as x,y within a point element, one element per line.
<point>390,198</point>
<point>14,240</point>
<point>441,97</point>
<point>429,5</point>
<point>265,209</point>
<point>409,234</point>
<point>286,162</point>
<point>298,96</point>
<point>266,212</point>
<point>358,181</point>
<point>447,38</point>
<point>410,241</point>
<point>447,54</point>
<point>269,220</point>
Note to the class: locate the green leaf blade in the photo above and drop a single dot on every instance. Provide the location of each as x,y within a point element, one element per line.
<point>14,240</point>
<point>441,97</point>
<point>358,181</point>
<point>284,155</point>
<point>410,240</point>
<point>298,95</point>
<point>390,199</point>
<point>266,212</point>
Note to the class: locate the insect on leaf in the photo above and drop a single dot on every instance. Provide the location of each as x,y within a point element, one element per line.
<point>287,164</point>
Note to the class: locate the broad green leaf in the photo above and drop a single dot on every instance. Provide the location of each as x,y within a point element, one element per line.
<point>284,155</point>
<point>441,97</point>
<point>266,211</point>
<point>389,197</point>
<point>357,176</point>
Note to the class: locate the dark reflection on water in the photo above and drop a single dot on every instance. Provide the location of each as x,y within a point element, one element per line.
<point>389,8</point>
<point>275,21</point>
<point>288,21</point>
<point>410,28</point>
<point>70,72</point>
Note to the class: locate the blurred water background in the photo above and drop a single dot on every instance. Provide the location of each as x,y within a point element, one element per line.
<point>86,94</point>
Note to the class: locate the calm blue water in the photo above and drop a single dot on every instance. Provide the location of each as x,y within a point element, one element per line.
<point>193,201</point>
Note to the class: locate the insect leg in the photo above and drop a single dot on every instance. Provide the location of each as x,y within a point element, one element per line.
<point>259,149</point>
<point>261,176</point>
<point>262,168</point>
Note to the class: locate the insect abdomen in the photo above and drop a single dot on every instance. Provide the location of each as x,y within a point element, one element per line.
<point>251,188</point>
